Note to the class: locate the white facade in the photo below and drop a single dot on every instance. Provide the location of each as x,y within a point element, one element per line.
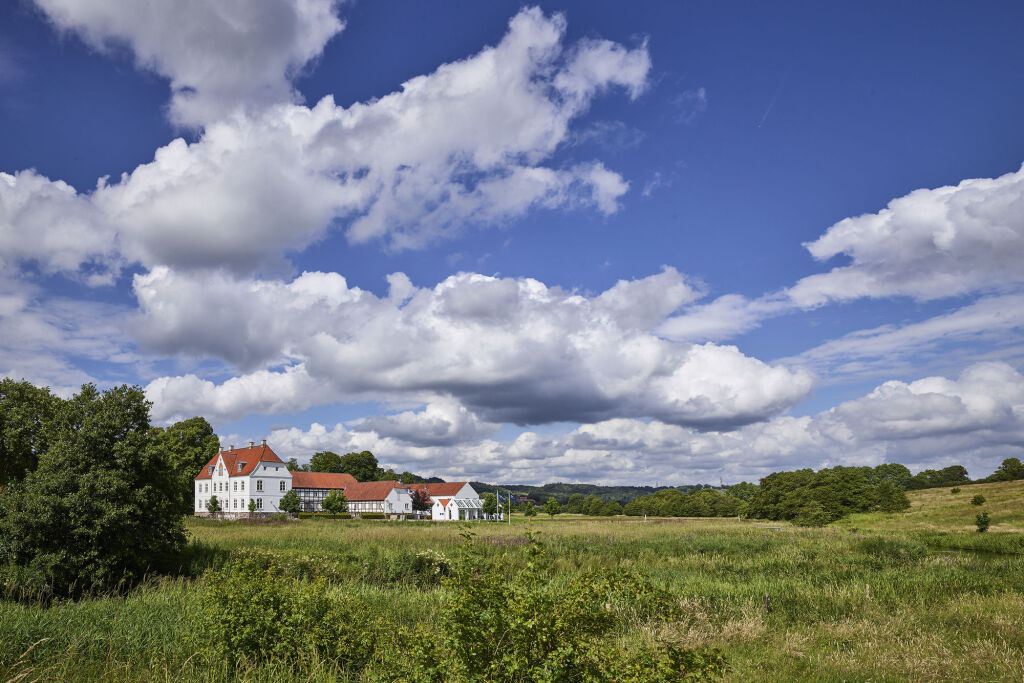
<point>464,504</point>
<point>265,484</point>
<point>398,501</point>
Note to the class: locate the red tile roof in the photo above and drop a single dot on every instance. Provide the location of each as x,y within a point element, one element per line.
<point>371,490</point>
<point>251,457</point>
<point>443,502</point>
<point>321,480</point>
<point>449,489</point>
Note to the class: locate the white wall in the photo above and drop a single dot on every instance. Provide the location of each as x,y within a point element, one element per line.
<point>234,492</point>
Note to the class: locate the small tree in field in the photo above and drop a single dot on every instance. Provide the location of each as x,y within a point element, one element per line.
<point>490,504</point>
<point>552,507</point>
<point>955,490</point>
<point>529,509</point>
<point>978,499</point>
<point>982,522</point>
<point>252,505</point>
<point>213,505</point>
<point>290,502</point>
<point>335,502</point>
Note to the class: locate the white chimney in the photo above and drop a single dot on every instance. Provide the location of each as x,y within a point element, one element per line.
<point>251,444</point>
<point>264,442</point>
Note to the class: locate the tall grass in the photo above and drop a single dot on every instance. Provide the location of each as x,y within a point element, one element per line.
<point>841,604</point>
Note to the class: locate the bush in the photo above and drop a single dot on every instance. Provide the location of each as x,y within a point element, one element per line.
<point>255,615</point>
<point>372,515</point>
<point>290,502</point>
<point>978,499</point>
<point>527,628</point>
<point>812,514</point>
<point>982,521</point>
<point>955,490</point>
<point>324,515</point>
<point>102,509</point>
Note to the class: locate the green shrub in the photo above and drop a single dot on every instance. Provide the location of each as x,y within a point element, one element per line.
<point>525,627</point>
<point>982,521</point>
<point>978,499</point>
<point>813,513</point>
<point>372,515</point>
<point>955,490</point>
<point>290,502</point>
<point>258,616</point>
<point>325,515</point>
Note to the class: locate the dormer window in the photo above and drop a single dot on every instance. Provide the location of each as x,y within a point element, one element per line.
<point>220,470</point>
<point>241,465</point>
<point>211,470</point>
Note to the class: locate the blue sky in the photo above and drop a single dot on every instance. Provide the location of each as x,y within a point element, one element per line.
<point>573,241</point>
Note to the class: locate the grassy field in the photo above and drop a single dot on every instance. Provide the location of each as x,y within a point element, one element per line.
<point>916,596</point>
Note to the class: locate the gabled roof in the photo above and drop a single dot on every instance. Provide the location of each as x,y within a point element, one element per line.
<point>251,456</point>
<point>321,480</point>
<point>371,490</point>
<point>443,502</point>
<point>448,489</point>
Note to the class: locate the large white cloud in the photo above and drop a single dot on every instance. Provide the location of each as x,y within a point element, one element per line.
<point>511,350</point>
<point>219,56</point>
<point>975,420</point>
<point>928,244</point>
<point>50,224</point>
<point>465,145</point>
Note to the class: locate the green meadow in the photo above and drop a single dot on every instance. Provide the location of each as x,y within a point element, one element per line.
<point>912,596</point>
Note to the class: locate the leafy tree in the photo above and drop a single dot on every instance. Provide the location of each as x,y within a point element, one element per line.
<point>529,509</point>
<point>326,461</point>
<point>362,465</point>
<point>421,501</point>
<point>610,509</point>
<point>387,475</point>
<point>101,509</point>
<point>213,505</point>
<point>335,502</point>
<point>894,473</point>
<point>743,490</point>
<point>290,502</point>
<point>552,508</point>
<point>188,445</point>
<point>252,505</point>
<point>948,476</point>
<point>407,478</point>
<point>490,504</point>
<point>294,466</point>
<point>978,499</point>
<point>592,505</point>
<point>26,415</point>
<point>982,521</point>
<point>1010,470</point>
<point>891,498</point>
<point>575,503</point>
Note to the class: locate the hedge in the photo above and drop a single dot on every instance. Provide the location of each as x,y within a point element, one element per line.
<point>372,515</point>
<point>324,515</point>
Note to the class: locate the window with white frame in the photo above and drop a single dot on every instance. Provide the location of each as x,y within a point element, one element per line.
<point>234,486</point>
<point>259,484</point>
<point>282,486</point>
<point>259,503</point>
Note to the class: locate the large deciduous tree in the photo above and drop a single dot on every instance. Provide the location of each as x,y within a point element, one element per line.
<point>362,466</point>
<point>188,445</point>
<point>26,415</point>
<point>326,461</point>
<point>102,508</point>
